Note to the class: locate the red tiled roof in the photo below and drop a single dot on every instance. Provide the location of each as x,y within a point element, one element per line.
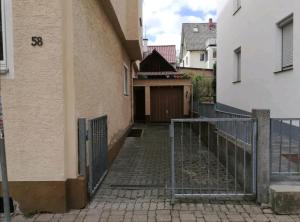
<point>167,51</point>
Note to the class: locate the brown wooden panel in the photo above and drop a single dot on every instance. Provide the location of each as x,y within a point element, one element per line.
<point>166,103</point>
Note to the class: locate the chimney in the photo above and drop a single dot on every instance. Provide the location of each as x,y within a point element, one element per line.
<point>145,45</point>
<point>211,25</point>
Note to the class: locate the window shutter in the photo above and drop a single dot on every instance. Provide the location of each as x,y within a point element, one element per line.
<point>287,45</point>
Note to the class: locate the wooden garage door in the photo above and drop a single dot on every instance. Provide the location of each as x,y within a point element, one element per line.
<point>166,103</point>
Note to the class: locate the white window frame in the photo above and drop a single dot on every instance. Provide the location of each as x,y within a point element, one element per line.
<point>237,65</point>
<point>289,20</point>
<point>6,65</point>
<point>125,80</point>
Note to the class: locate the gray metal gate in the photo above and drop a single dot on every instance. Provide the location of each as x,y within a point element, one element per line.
<point>95,157</point>
<point>213,157</point>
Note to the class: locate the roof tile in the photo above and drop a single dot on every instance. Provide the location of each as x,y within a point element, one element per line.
<point>167,51</point>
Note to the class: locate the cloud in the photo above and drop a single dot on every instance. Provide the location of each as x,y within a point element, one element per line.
<point>163,18</point>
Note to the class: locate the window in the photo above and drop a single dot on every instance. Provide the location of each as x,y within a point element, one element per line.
<point>195,29</point>
<point>215,54</point>
<point>236,6</point>
<point>202,56</point>
<point>125,84</point>
<point>5,37</point>
<point>238,65</point>
<point>286,27</point>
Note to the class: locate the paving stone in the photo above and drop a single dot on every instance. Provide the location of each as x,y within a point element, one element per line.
<point>44,217</point>
<point>187,217</point>
<point>163,217</point>
<point>235,218</point>
<point>212,218</point>
<point>116,219</point>
<point>68,218</point>
<point>139,218</point>
<point>141,172</point>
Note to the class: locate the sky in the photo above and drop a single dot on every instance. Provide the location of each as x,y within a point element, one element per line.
<point>163,18</point>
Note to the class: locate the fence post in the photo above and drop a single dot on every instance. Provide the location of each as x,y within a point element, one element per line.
<point>82,137</point>
<point>263,154</point>
<point>173,183</point>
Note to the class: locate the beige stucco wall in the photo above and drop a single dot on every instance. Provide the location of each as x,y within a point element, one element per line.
<point>99,59</point>
<point>187,90</point>
<point>78,72</point>
<point>33,101</point>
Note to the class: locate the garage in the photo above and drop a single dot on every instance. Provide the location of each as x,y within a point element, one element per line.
<point>166,103</point>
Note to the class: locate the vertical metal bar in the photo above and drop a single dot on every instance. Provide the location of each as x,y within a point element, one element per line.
<point>173,182</point>
<point>254,157</point>
<point>208,160</point>
<point>200,148</point>
<point>82,146</point>
<point>218,160</point>
<point>271,145</point>
<point>245,147</point>
<point>190,150</point>
<point>235,157</point>
<point>290,146</point>
<point>181,145</point>
<point>298,166</point>
<point>90,147</point>
<point>280,148</point>
<point>5,189</point>
<point>226,155</point>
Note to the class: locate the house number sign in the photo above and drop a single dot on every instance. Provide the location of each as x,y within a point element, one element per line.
<point>37,41</point>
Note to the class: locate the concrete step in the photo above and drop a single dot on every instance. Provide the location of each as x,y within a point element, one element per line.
<point>285,198</point>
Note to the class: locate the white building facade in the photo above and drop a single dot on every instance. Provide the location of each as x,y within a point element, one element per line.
<point>198,45</point>
<point>259,56</point>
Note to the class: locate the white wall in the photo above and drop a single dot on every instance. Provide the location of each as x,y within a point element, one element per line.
<point>254,29</point>
<point>210,57</point>
<point>194,60</point>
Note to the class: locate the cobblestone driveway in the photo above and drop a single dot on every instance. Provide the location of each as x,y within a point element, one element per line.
<point>134,190</point>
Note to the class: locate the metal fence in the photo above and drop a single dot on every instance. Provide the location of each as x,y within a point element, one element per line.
<point>205,109</point>
<point>207,162</point>
<point>94,156</point>
<point>285,147</point>
<point>4,179</point>
<point>236,130</point>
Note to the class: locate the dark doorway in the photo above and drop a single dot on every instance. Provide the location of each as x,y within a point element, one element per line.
<point>139,104</point>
